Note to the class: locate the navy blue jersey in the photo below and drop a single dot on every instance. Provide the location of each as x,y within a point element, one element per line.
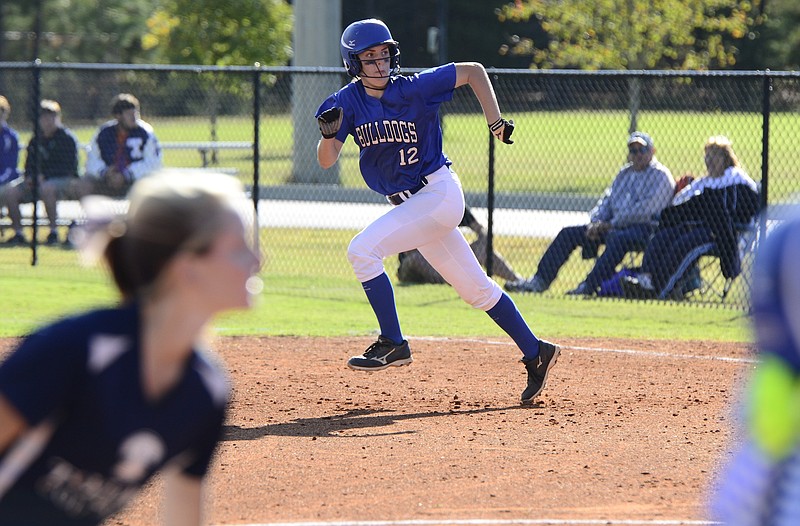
<point>9,154</point>
<point>58,155</point>
<point>399,135</point>
<point>94,438</point>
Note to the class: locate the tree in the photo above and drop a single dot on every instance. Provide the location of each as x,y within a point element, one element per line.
<point>214,33</point>
<point>217,33</point>
<point>210,32</point>
<point>635,34</point>
<point>76,30</point>
<point>473,29</point>
<point>777,44</point>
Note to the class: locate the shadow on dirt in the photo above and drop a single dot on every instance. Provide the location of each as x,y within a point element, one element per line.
<point>333,426</point>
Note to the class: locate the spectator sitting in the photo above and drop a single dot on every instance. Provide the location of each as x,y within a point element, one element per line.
<point>9,158</point>
<point>124,150</point>
<point>706,210</point>
<point>622,220</point>
<point>414,268</point>
<point>57,169</point>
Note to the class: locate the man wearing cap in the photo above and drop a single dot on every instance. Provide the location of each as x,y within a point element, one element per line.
<point>622,220</point>
<point>124,149</point>
<point>52,159</point>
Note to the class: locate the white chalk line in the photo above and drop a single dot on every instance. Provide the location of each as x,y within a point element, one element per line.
<point>655,354</point>
<point>637,352</point>
<point>480,522</point>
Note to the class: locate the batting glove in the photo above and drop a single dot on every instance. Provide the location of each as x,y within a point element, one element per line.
<point>502,129</point>
<point>329,122</point>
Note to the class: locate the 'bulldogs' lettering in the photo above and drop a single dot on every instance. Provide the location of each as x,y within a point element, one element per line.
<point>378,132</point>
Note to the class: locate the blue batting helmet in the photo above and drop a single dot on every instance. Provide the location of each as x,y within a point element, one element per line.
<point>362,35</point>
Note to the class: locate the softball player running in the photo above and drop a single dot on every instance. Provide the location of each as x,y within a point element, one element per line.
<point>395,122</point>
<point>93,405</point>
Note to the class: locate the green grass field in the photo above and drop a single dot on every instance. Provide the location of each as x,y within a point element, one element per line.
<point>309,285</point>
<point>310,290</point>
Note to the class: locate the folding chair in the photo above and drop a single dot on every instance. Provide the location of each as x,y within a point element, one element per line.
<point>699,273</point>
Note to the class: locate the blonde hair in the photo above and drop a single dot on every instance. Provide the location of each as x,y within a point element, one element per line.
<point>51,106</point>
<point>169,213</point>
<point>724,145</point>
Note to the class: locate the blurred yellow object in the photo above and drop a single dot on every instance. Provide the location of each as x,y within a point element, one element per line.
<point>774,410</point>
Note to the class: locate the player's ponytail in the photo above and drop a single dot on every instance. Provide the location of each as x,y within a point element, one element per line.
<point>169,213</point>
<point>120,271</point>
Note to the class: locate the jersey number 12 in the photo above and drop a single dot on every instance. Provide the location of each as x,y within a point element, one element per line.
<point>408,156</point>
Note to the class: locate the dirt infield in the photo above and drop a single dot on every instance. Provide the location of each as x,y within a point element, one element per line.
<point>624,431</point>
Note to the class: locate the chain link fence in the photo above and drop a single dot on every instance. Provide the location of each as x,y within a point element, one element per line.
<point>570,142</point>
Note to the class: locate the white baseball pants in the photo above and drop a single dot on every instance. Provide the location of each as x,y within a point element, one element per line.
<point>427,221</point>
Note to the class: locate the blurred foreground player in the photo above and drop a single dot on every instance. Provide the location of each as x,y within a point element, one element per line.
<point>761,483</point>
<point>92,406</point>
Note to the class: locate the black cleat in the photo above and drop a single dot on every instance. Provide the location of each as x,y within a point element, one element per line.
<point>634,288</point>
<point>583,289</point>
<point>17,240</point>
<point>538,369</point>
<point>380,355</point>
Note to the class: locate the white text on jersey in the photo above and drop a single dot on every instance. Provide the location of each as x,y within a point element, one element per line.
<point>378,132</point>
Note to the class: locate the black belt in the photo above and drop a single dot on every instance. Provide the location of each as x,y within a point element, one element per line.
<point>400,197</point>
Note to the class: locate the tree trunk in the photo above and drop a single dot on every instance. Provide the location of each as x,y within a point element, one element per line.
<point>634,102</point>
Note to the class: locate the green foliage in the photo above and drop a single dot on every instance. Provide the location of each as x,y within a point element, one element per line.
<point>217,33</point>
<point>720,33</point>
<point>781,35</point>
<point>207,32</point>
<point>635,34</point>
<point>80,30</point>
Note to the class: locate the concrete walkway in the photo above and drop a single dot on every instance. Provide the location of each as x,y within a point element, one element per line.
<point>355,216</point>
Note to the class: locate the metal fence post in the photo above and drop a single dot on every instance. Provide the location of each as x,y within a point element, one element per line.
<point>256,150</point>
<point>490,210</point>
<point>37,161</point>
<point>765,110</point>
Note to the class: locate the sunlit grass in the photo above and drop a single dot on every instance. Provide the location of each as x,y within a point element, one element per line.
<point>310,290</point>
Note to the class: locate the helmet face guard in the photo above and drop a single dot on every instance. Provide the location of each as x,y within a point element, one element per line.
<point>362,35</point>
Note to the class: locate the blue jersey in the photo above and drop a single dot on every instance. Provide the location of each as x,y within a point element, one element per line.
<point>9,154</point>
<point>399,135</point>
<point>94,437</point>
<point>775,292</point>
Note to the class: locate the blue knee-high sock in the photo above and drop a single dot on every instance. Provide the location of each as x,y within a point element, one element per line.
<point>381,297</point>
<point>506,315</point>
